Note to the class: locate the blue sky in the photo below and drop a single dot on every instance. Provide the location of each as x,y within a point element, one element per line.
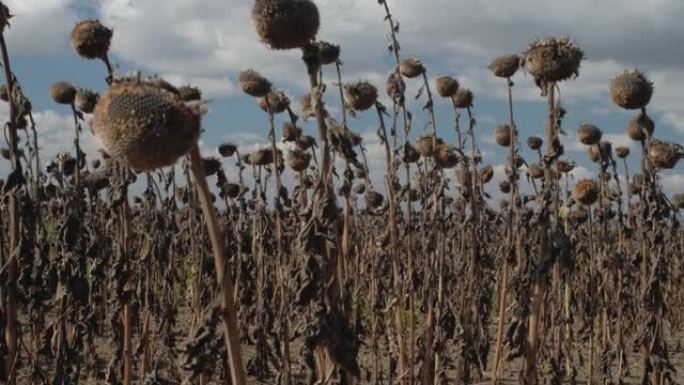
<point>207,43</point>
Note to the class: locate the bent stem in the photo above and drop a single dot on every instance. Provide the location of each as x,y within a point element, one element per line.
<point>228,313</point>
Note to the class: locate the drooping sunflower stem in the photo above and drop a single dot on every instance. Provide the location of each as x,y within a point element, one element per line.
<point>110,70</point>
<point>228,312</point>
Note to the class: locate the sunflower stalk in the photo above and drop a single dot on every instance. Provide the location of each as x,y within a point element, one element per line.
<point>12,322</point>
<point>228,313</point>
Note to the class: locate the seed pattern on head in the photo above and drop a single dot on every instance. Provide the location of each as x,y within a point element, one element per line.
<point>536,171</point>
<point>622,152</point>
<point>589,134</point>
<point>189,93</point>
<point>231,190</point>
<point>91,40</point>
<point>486,174</point>
<point>261,157</point>
<point>286,24</point>
<point>227,149</point>
<point>306,106</point>
<point>86,100</point>
<point>361,95</point>
<point>395,87</point>
<point>516,161</point>
<point>600,151</point>
<point>146,125</point>
<point>463,98</point>
<point>425,145</point>
<point>565,166</point>
<point>664,155</point>
<point>63,92</point>
<point>67,163</point>
<point>330,53</point>
<point>535,142</point>
<point>97,181</point>
<point>274,102</point>
<point>411,155</point>
<point>291,132</point>
<point>211,166</point>
<point>412,67</point>
<point>446,86</point>
<point>631,90</point>
<point>553,59</point>
<point>503,135</point>
<point>639,127</point>
<point>374,199</point>
<point>298,160</point>
<point>445,156</point>
<point>505,66</point>
<point>253,84</point>
<point>586,192</point>
<point>305,142</point>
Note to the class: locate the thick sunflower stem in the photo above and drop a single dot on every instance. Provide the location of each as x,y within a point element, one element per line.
<point>550,207</point>
<point>228,312</point>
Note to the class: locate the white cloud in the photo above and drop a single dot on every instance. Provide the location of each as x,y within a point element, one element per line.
<point>668,85</point>
<point>672,182</point>
<point>40,27</point>
<point>56,132</point>
<point>581,172</point>
<point>211,87</point>
<point>620,140</point>
<point>209,45</point>
<point>572,144</point>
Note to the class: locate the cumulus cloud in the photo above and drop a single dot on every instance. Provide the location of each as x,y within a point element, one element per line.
<point>40,27</point>
<point>209,44</point>
<point>56,134</point>
<point>211,87</point>
<point>672,182</point>
<point>176,36</point>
